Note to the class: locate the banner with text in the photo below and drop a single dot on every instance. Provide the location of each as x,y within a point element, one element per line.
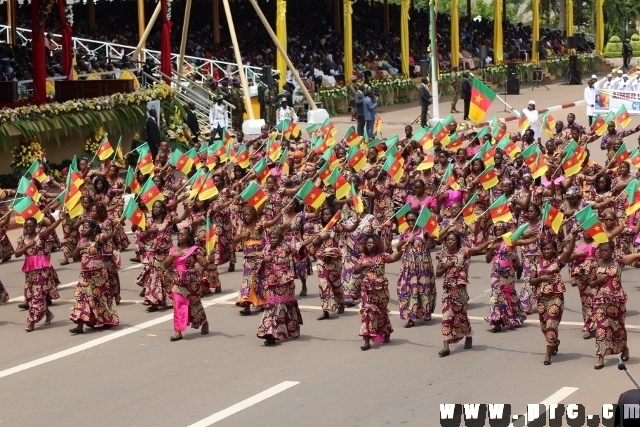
<point>607,100</point>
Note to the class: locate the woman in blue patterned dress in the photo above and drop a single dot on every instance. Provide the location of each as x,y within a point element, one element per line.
<point>416,282</point>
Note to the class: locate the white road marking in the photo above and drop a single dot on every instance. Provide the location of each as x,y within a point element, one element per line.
<point>240,406</point>
<point>96,342</point>
<point>559,395</point>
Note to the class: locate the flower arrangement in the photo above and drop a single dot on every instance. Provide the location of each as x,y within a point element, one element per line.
<point>92,144</point>
<point>176,132</point>
<point>69,14</point>
<point>336,92</point>
<point>25,153</point>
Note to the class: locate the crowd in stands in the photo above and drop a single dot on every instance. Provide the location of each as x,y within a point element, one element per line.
<point>313,45</point>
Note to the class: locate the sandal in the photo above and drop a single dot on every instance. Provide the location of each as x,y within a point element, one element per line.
<point>49,318</point>
<point>152,309</point>
<point>324,316</point>
<point>586,335</point>
<point>270,341</point>
<point>340,309</point>
<point>204,330</point>
<point>365,347</point>
<point>64,262</point>
<point>496,328</point>
<point>30,327</point>
<point>245,313</point>
<point>172,339</point>
<point>23,306</point>
<point>547,362</point>
<point>625,358</point>
<point>468,343</point>
<point>76,331</point>
<point>555,350</point>
<point>598,367</point>
<point>410,324</point>
<point>232,268</point>
<point>444,353</point>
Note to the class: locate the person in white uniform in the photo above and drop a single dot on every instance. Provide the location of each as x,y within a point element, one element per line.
<point>590,98</point>
<point>532,115</point>
<point>606,83</point>
<point>218,120</point>
<point>285,112</point>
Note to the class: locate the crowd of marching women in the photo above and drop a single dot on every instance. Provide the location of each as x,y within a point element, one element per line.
<point>529,206</point>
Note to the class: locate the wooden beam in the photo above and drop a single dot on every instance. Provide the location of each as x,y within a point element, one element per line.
<point>216,21</point>
<point>141,22</point>
<point>143,39</point>
<point>183,41</point>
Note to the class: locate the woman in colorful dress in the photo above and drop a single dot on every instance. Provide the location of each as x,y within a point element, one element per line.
<point>197,219</point>
<point>6,248</point>
<point>353,231</point>
<point>452,220</point>
<point>282,318</point>
<point>154,244</point>
<point>482,223</point>
<point>293,221</point>
<point>185,288</point>
<point>580,265</point>
<point>380,191</point>
<point>530,254</point>
<point>220,214</point>
<point>505,308</point>
<point>453,264</point>
<point>250,235</point>
<point>609,303</point>
<point>374,287</point>
<point>94,300</point>
<point>41,280</point>
<point>100,215</point>
<point>416,281</point>
<point>329,266</point>
<point>547,283</point>
<point>619,232</point>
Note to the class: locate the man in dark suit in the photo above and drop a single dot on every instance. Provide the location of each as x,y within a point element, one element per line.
<point>192,120</point>
<point>153,132</point>
<point>465,94</point>
<point>358,99</point>
<point>425,101</point>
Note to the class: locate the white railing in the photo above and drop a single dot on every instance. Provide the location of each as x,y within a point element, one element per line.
<point>200,69</point>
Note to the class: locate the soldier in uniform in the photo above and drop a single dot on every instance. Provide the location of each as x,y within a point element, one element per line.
<point>353,88</point>
<point>454,88</point>
<point>237,99</point>
<point>216,91</point>
<point>285,112</point>
<point>270,100</point>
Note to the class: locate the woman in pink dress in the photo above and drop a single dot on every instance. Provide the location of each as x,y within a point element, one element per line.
<point>185,289</point>
<point>41,280</point>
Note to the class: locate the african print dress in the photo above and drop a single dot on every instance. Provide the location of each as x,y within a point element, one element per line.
<point>4,295</point>
<point>41,280</point>
<point>504,305</point>
<point>154,277</point>
<point>580,271</point>
<point>110,262</point>
<point>70,236</point>
<point>251,291</point>
<point>221,220</point>
<point>416,282</point>
<point>550,298</point>
<point>329,267</point>
<point>6,248</point>
<point>609,308</point>
<point>350,248</point>
<point>383,210</point>
<point>455,322</point>
<point>95,304</point>
<point>374,288</point>
<point>530,255</point>
<point>185,290</point>
<point>293,232</point>
<point>282,318</point>
<point>209,274</point>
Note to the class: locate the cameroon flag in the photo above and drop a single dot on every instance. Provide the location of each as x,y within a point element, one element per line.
<point>509,147</point>
<point>25,186</point>
<point>356,158</point>
<point>150,194</point>
<point>36,171</point>
<point>455,143</point>
<point>440,133</point>
<point>211,238</point>
<point>523,122</point>
<point>634,196</point>
<point>499,210</point>
<point>133,213</point>
<point>340,183</point>
<point>486,153</point>
<point>599,125</point>
<point>621,155</point>
<point>571,161</point>
<point>196,182</point>
<point>594,228</point>
<point>499,134</point>
<point>181,161</point>
<point>511,237</point>
<point>333,221</point>
<point>552,217</point>
<point>428,162</point>
<point>468,211</point>
<point>489,178</point>
<point>424,138</point>
<point>242,157</point>
<point>145,161</point>
<point>311,195</point>
<point>351,137</point>
<point>261,170</point>
<point>131,181</point>
<point>401,217</point>
<point>635,157</point>
<point>358,206</point>
<point>208,189</point>
<point>253,195</point>
<point>622,116</point>
<point>378,124</point>
<point>394,166</point>
<point>26,208</point>
<point>450,179</point>
<point>481,99</point>
<point>105,151</point>
<point>428,221</point>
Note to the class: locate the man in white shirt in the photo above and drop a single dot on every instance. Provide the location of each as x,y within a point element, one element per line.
<point>285,112</point>
<point>532,114</point>
<point>590,98</point>
<point>617,80</point>
<point>606,83</point>
<point>218,120</point>
<point>624,84</point>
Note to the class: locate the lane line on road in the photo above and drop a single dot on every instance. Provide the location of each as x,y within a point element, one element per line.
<point>554,399</point>
<point>98,341</point>
<point>240,406</point>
